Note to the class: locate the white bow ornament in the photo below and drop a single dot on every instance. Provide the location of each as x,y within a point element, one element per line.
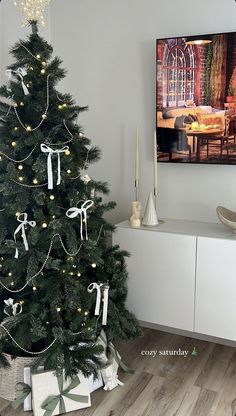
<point>82,211</point>
<point>21,73</point>
<point>46,149</point>
<point>21,228</point>
<point>10,303</point>
<point>86,179</point>
<point>98,287</point>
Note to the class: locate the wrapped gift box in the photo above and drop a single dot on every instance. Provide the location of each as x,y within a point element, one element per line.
<point>27,381</point>
<point>58,395</point>
<point>95,384</point>
<point>110,366</point>
<point>110,376</point>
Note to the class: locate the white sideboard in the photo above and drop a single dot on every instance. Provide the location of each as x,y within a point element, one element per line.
<point>182,274</point>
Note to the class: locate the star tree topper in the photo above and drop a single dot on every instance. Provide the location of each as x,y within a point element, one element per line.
<point>32,10</point>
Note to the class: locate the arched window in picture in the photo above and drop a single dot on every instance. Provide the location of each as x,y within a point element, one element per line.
<point>179,66</point>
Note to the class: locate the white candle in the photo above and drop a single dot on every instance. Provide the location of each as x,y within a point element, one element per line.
<point>155,162</point>
<point>137,159</point>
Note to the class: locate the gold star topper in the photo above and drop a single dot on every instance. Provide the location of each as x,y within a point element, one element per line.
<point>32,10</point>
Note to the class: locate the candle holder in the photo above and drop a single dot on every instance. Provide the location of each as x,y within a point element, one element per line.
<point>135,219</point>
<point>150,218</point>
<point>155,197</point>
<point>136,189</point>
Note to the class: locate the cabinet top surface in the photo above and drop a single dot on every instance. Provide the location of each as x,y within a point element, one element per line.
<point>194,228</point>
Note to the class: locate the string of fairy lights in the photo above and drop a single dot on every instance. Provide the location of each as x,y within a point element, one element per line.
<point>32,10</point>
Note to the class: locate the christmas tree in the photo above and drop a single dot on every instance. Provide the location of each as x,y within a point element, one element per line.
<point>61,282</point>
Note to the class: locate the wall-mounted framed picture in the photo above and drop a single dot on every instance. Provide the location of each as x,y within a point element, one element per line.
<point>196,99</point>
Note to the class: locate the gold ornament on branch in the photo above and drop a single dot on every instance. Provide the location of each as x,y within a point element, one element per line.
<point>32,10</point>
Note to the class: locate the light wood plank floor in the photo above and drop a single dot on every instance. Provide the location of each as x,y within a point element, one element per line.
<point>202,385</point>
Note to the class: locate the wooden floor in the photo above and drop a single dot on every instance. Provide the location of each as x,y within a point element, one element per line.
<point>202,385</point>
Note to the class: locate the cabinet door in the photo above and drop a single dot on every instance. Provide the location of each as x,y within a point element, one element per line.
<point>216,288</point>
<point>161,276</point>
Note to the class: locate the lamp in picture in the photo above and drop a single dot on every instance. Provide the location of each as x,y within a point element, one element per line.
<point>198,40</point>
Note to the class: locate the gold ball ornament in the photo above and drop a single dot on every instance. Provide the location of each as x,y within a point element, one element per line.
<point>44,225</point>
<point>20,167</point>
<point>79,274</point>
<point>35,181</point>
<point>94,265</point>
<point>67,152</point>
<point>34,288</point>
<point>58,309</point>
<point>43,71</point>
<point>52,197</point>
<point>13,144</point>
<point>28,128</point>
<point>21,178</point>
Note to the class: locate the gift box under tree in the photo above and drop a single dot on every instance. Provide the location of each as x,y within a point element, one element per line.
<point>54,395</point>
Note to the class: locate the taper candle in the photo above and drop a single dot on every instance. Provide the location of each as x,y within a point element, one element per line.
<point>155,162</point>
<point>137,161</point>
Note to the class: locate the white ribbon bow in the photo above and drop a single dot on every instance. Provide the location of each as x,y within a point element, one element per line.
<point>21,228</point>
<point>98,287</point>
<point>10,302</point>
<point>20,72</point>
<point>82,211</point>
<point>46,149</point>
<point>86,179</point>
<point>112,381</point>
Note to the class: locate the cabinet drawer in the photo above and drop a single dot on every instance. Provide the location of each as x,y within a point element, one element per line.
<point>161,276</point>
<point>216,288</point>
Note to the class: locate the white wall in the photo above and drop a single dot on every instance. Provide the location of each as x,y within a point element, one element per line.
<point>108,47</point>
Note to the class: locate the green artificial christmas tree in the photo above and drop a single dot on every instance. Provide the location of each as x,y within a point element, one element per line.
<point>58,273</point>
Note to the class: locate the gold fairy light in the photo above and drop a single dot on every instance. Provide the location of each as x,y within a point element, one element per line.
<point>32,10</point>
